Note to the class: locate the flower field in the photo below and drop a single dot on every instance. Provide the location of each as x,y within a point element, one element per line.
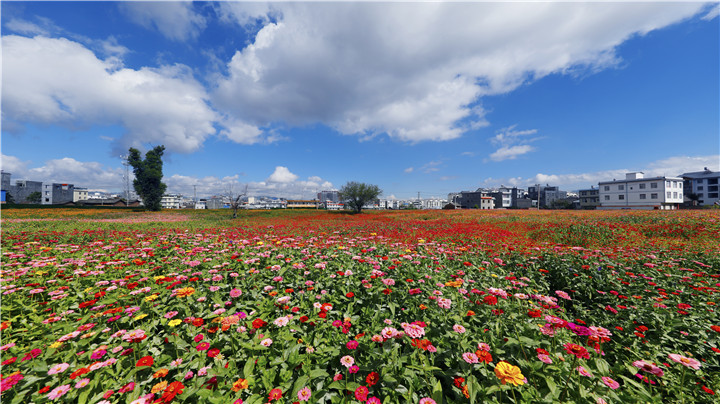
<point>384,307</point>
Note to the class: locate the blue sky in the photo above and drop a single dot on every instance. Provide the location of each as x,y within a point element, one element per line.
<point>293,98</point>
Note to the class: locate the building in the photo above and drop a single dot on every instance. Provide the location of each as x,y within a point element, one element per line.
<point>332,196</point>
<point>170,201</point>
<point>638,192</point>
<point>80,194</point>
<point>478,199</point>
<point>702,186</point>
<point>589,198</point>
<point>57,194</point>
<point>546,195</point>
<point>503,197</point>
<point>301,204</point>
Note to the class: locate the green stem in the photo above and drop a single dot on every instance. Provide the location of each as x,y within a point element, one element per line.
<point>682,385</point>
<point>567,384</point>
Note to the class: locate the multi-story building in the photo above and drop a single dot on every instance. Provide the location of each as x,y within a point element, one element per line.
<point>546,195</point>
<point>704,185</point>
<point>478,199</point>
<point>589,198</point>
<point>170,201</point>
<point>638,192</point>
<point>503,197</point>
<point>332,196</point>
<point>80,194</point>
<point>55,194</point>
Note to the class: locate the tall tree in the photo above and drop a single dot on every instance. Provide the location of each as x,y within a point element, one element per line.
<point>148,176</point>
<point>235,198</point>
<point>357,194</point>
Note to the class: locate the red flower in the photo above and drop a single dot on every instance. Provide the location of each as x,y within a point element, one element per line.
<point>213,353</point>
<point>361,393</point>
<point>172,390</point>
<point>350,295</point>
<point>459,381</point>
<point>577,350</point>
<point>708,390</point>
<point>275,394</point>
<point>259,323</point>
<point>483,356</point>
<point>44,390</point>
<point>534,313</point>
<point>491,300</point>
<point>372,379</point>
<point>198,322</point>
<point>145,361</point>
<point>715,328</point>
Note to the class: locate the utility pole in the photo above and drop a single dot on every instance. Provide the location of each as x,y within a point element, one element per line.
<point>126,178</point>
<point>194,196</point>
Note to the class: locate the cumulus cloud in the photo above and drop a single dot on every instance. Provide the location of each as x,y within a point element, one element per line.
<point>409,170</point>
<point>59,81</point>
<point>25,27</point>
<point>86,174</point>
<point>416,72</point>
<point>175,20</point>
<point>282,175</point>
<point>670,167</point>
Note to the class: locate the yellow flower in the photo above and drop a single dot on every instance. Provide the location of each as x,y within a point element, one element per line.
<point>240,384</point>
<point>508,373</point>
<point>140,316</point>
<point>185,292</point>
<point>159,387</point>
<point>151,298</point>
<point>57,344</point>
<point>175,322</point>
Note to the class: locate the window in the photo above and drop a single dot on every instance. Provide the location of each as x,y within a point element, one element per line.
<point>700,181</point>
<point>667,184</point>
<point>607,197</point>
<point>643,196</point>
<point>642,186</point>
<point>668,194</point>
<point>621,197</point>
<point>653,196</point>
<point>607,187</point>
<point>712,181</point>
<point>713,188</point>
<point>713,195</point>
<point>675,195</point>
<point>653,185</point>
<point>700,188</point>
<point>621,187</point>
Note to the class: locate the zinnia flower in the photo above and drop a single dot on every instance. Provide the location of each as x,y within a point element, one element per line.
<point>577,350</point>
<point>610,382</point>
<point>275,394</point>
<point>58,392</point>
<point>689,362</point>
<point>347,361</point>
<point>304,394</point>
<point>508,373</point>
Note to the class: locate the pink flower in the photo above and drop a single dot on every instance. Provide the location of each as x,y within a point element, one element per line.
<point>470,357</point>
<point>444,303</point>
<point>304,394</point>
<point>427,400</point>
<point>545,359</point>
<point>59,368</point>
<point>649,367</point>
<point>98,354</point>
<point>563,294</point>
<point>689,362</point>
<point>82,383</point>
<point>58,392</point>
<point>459,329</point>
<point>352,344</point>
<point>610,382</point>
<point>235,293</point>
<point>483,347</point>
<point>353,369</point>
<point>127,388</point>
<point>373,400</point>
<point>583,371</point>
<point>347,361</point>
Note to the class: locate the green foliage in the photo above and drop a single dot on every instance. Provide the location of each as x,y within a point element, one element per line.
<point>34,197</point>
<point>148,176</point>
<point>357,194</point>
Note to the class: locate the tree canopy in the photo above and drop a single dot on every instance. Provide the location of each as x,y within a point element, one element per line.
<point>148,176</point>
<point>357,194</point>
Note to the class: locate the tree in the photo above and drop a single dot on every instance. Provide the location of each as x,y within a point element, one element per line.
<point>357,194</point>
<point>34,197</point>
<point>148,176</point>
<point>235,198</point>
<point>694,198</point>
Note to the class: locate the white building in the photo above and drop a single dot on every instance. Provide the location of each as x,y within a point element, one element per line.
<point>170,201</point>
<point>704,184</point>
<point>80,194</point>
<point>638,192</point>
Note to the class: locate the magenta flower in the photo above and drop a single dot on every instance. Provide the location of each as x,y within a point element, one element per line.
<point>304,394</point>
<point>610,382</point>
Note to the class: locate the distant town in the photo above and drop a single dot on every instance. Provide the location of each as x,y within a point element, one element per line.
<point>635,191</point>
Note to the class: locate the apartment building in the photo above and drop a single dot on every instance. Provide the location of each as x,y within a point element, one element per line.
<point>638,192</point>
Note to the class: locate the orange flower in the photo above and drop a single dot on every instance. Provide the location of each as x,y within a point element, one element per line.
<point>508,373</point>
<point>240,384</point>
<point>160,373</point>
<point>184,292</point>
<point>159,387</point>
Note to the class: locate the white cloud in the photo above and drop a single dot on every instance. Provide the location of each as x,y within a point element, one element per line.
<point>58,81</point>
<point>431,167</point>
<point>24,27</point>
<point>510,152</point>
<point>84,174</point>
<point>512,142</point>
<point>712,13</point>
<point>282,175</point>
<point>670,167</point>
<point>409,170</point>
<point>416,71</point>
<point>175,20</point>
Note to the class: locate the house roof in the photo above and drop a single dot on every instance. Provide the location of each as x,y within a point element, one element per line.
<point>701,174</point>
